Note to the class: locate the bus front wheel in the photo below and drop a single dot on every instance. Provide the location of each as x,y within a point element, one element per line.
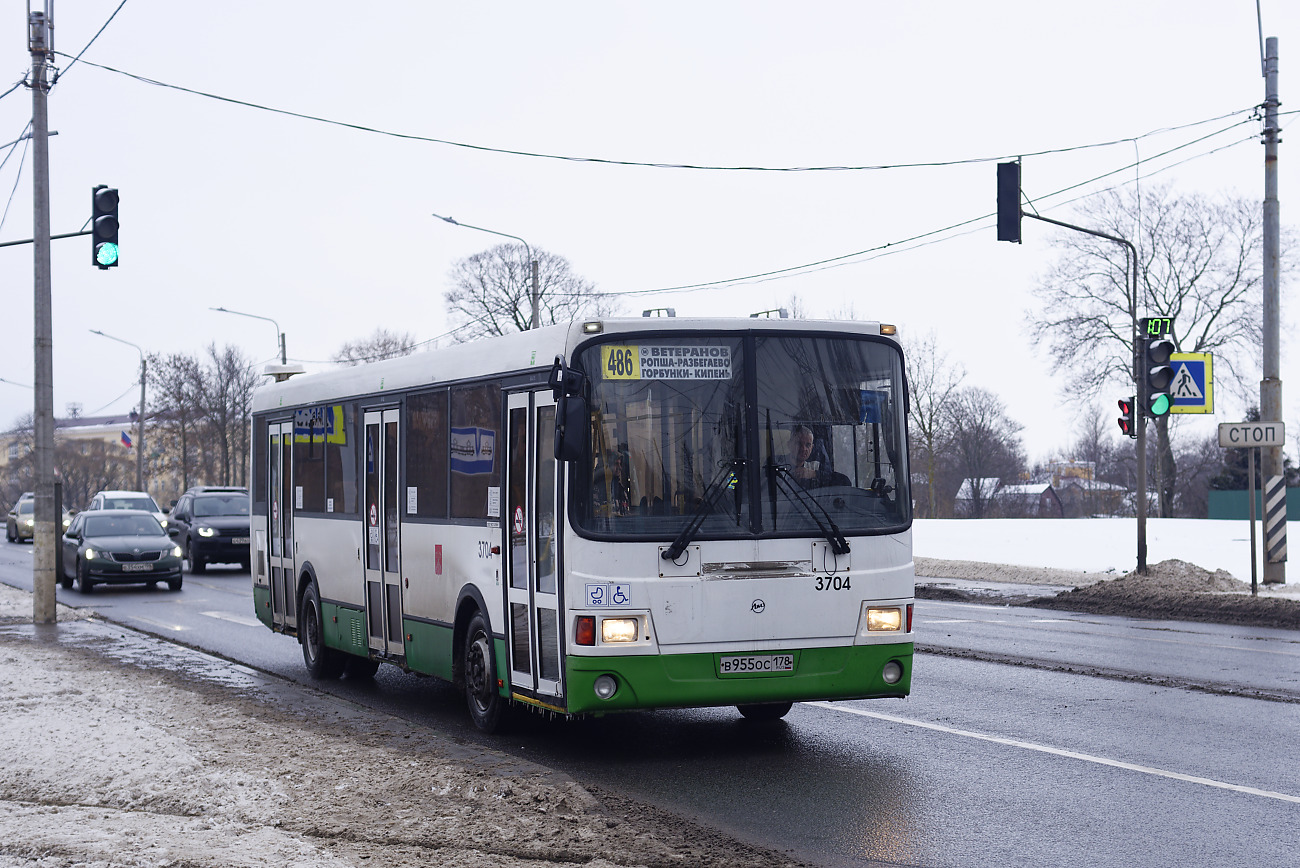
<point>481,694</point>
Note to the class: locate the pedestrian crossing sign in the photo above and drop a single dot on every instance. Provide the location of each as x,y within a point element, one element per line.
<point>1192,389</point>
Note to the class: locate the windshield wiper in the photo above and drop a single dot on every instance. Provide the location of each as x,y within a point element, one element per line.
<point>730,470</point>
<point>796,492</point>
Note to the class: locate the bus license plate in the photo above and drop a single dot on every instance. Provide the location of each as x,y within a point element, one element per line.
<point>240,540</point>
<point>136,568</point>
<point>755,663</point>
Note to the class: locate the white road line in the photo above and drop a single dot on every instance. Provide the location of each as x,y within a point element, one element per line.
<point>1069,754</point>
<point>175,628</point>
<point>238,619</point>
<point>1138,637</point>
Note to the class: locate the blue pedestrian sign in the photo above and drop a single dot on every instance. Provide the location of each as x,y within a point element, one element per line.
<point>1192,389</point>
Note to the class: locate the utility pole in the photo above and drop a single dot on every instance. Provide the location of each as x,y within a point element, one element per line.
<point>1270,388</point>
<point>139,438</point>
<point>40,42</point>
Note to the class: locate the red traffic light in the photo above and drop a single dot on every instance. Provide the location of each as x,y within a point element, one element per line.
<point>1127,420</point>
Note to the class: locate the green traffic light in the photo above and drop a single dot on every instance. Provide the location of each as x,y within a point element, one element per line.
<point>106,254</point>
<point>1160,404</point>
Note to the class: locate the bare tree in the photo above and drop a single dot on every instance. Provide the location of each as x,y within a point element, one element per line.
<point>227,397</point>
<point>382,344</point>
<point>985,442</point>
<point>931,382</point>
<point>176,381</point>
<point>1199,262</point>
<point>492,292</point>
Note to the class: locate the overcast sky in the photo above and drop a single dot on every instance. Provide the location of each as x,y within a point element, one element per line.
<point>327,229</point>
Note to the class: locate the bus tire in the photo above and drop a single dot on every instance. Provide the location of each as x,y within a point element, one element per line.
<point>323,663</point>
<point>486,706</point>
<point>765,711</point>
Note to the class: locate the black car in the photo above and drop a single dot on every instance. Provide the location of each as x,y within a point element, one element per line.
<point>211,526</point>
<point>119,547</point>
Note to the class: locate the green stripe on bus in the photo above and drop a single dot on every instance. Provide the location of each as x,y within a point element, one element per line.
<point>692,680</point>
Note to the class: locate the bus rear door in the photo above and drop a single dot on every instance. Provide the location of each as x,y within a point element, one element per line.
<point>280,513</point>
<point>382,548</point>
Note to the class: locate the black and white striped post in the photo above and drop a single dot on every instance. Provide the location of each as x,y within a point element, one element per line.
<point>1255,436</point>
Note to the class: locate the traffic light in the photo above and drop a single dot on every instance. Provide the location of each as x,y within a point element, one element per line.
<point>103,226</point>
<point>1127,420</point>
<point>1009,202</point>
<point>1160,375</point>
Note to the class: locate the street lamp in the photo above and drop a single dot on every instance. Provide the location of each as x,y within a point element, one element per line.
<point>536,321</point>
<point>284,360</point>
<point>139,437</point>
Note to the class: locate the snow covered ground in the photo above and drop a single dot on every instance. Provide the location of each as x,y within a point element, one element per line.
<point>1098,545</point>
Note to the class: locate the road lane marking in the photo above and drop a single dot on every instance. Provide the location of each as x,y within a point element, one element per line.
<point>238,619</point>
<point>176,628</point>
<point>1144,625</point>
<point>1068,754</point>
<point>948,621</point>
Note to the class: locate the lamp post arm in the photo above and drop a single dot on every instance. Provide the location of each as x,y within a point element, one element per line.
<point>536,319</point>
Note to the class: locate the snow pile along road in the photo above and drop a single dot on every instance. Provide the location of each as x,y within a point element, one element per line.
<point>110,763</point>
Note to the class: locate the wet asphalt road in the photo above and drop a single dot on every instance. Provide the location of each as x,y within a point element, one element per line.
<point>1019,762</point>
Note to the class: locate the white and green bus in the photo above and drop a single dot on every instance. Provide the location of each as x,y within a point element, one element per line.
<point>604,516</point>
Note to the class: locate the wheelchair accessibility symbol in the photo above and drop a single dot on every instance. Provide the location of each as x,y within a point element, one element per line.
<point>609,595</point>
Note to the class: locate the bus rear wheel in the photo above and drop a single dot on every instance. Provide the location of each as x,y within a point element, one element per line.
<point>765,711</point>
<point>323,663</point>
<point>486,705</point>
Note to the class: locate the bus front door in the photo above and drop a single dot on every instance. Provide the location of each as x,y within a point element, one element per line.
<point>382,549</point>
<point>284,604</point>
<point>533,601</point>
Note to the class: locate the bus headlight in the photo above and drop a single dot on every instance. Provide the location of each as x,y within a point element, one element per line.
<point>618,630</point>
<point>882,620</point>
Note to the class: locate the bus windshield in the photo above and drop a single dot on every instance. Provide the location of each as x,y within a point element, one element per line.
<point>755,435</point>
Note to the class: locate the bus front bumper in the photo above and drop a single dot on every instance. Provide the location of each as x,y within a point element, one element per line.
<point>698,680</point>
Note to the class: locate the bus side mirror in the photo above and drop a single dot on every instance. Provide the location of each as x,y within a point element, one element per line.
<point>564,380</point>
<point>572,419</point>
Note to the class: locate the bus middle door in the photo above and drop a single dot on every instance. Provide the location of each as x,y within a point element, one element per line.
<point>532,533</point>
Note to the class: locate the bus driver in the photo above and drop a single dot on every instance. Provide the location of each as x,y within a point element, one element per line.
<point>809,474</point>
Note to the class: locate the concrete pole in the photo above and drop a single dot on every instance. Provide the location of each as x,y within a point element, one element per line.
<point>44,538</point>
<point>1270,388</point>
<point>537,314</point>
<point>139,435</point>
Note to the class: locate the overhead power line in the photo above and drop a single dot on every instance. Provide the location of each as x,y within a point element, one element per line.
<point>653,165</point>
<point>900,245</point>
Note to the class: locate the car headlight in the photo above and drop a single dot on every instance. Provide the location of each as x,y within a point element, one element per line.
<point>90,554</point>
<point>163,522</point>
<point>207,531</point>
<point>31,522</point>
<point>177,553</point>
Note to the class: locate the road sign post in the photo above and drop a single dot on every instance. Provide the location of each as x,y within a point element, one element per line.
<point>1255,436</point>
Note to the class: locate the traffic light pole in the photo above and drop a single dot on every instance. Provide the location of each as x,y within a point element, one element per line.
<point>1270,387</point>
<point>1140,416</point>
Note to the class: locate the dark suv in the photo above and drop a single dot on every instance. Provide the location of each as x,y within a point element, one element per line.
<point>211,525</point>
